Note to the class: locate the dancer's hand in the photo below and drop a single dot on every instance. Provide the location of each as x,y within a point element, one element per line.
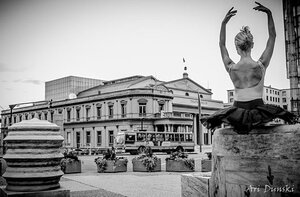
<point>262,8</point>
<point>229,14</point>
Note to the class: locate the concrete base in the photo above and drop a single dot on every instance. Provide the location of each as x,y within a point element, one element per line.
<point>61,192</point>
<point>74,167</point>
<point>195,184</point>
<point>206,165</point>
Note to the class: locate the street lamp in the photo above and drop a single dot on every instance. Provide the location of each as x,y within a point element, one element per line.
<point>200,125</point>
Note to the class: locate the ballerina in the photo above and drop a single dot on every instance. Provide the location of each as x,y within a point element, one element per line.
<point>247,75</point>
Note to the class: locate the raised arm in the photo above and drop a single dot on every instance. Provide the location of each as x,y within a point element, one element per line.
<point>222,43</point>
<point>267,54</point>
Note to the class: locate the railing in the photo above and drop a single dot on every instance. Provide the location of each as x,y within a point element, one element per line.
<point>130,115</point>
<point>125,116</point>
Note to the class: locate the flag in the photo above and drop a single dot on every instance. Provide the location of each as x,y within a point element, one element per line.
<point>183,60</point>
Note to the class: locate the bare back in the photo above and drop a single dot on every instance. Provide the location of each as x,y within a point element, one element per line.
<point>245,74</point>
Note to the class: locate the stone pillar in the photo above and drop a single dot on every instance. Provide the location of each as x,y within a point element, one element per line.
<point>33,156</point>
<point>261,163</point>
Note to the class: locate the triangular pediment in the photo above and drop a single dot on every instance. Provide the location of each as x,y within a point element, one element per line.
<point>186,84</point>
<point>149,82</point>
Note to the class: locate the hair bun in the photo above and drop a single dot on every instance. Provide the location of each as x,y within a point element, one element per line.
<point>246,30</point>
<point>244,39</point>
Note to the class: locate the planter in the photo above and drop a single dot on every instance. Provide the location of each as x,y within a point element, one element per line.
<point>73,167</point>
<point>138,166</point>
<point>206,165</point>
<point>177,166</point>
<point>112,166</point>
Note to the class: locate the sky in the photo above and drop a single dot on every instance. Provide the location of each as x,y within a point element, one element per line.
<point>110,39</point>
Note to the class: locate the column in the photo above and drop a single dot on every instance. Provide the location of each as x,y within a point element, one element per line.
<point>209,136</point>
<point>93,114</point>
<point>104,108</point>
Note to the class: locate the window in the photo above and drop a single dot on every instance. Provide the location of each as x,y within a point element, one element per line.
<point>40,116</point>
<point>187,94</point>
<point>142,109</point>
<point>98,112</point>
<point>283,93</point>
<point>68,115</point>
<point>189,138</point>
<point>20,118</point>
<point>111,138</point>
<point>87,114</point>
<point>26,117</point>
<point>15,119</point>
<point>123,110</point>
<point>284,100</point>
<point>78,114</point>
<point>110,111</point>
<point>45,116</point>
<point>230,93</point>
<point>231,100</point>
<point>161,107</point>
<point>99,138</point>
<point>51,116</point>
<point>88,138</point>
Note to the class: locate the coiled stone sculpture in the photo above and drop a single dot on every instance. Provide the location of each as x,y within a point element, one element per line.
<point>33,156</point>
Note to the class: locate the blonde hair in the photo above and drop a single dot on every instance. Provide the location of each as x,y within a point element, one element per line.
<point>244,39</point>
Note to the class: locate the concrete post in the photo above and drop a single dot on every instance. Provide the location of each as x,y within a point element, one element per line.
<point>33,156</point>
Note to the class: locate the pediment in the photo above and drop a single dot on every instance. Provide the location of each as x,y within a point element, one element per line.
<point>186,85</point>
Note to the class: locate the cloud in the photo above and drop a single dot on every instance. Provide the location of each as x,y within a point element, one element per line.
<point>7,68</point>
<point>31,81</point>
<point>4,68</point>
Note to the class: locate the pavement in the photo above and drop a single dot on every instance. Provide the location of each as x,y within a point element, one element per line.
<point>131,184</point>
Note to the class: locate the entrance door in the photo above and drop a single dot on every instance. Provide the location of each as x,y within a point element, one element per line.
<point>78,139</point>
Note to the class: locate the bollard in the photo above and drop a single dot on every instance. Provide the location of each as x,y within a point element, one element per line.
<point>33,156</point>
<point>265,162</point>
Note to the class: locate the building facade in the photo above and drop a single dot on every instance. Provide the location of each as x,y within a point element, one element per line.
<point>291,14</point>
<point>68,87</point>
<point>271,95</point>
<point>137,103</point>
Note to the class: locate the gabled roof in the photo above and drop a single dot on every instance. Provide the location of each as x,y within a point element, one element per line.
<point>186,84</point>
<point>122,84</point>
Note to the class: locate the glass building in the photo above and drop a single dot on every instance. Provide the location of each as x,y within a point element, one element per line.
<point>68,87</point>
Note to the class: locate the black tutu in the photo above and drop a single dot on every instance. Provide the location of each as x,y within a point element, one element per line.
<point>244,116</point>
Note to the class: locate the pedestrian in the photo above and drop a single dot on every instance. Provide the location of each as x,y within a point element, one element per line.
<point>247,75</point>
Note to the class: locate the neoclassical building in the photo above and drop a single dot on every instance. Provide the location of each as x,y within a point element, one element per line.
<point>95,115</point>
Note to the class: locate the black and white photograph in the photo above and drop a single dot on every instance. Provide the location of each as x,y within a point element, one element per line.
<point>150,98</point>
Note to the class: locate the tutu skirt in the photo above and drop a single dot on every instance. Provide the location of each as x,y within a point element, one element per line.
<point>244,116</point>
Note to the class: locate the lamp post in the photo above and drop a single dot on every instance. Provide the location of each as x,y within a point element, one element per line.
<point>200,125</point>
